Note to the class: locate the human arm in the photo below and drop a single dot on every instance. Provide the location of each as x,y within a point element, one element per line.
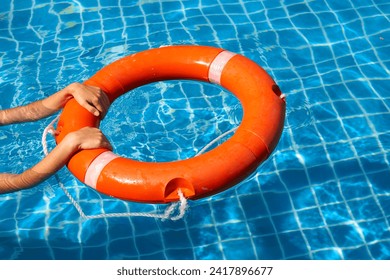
<point>91,98</point>
<point>85,138</point>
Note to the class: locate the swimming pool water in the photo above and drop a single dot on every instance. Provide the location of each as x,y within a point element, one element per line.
<point>323,194</point>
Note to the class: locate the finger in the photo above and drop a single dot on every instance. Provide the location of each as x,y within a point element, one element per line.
<point>91,108</point>
<point>101,102</point>
<point>104,103</point>
<point>97,107</point>
<point>104,141</point>
<point>108,146</point>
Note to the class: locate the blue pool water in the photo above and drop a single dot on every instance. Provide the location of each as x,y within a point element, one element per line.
<point>323,194</point>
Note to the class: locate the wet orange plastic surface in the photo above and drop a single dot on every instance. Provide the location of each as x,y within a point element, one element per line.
<point>200,176</point>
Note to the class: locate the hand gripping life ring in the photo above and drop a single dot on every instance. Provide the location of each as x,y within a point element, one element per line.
<point>204,175</point>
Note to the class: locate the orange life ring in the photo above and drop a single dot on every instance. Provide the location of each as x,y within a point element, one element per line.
<point>204,175</point>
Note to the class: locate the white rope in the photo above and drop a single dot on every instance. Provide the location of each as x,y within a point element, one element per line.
<point>49,129</point>
<point>205,148</point>
<point>169,213</point>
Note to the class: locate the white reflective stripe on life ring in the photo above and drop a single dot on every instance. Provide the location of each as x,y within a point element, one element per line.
<point>96,167</point>
<point>216,67</point>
